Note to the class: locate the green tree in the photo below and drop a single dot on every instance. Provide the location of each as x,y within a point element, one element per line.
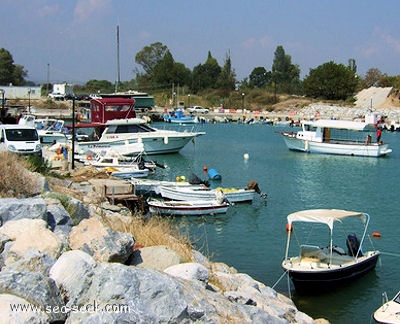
<point>259,77</point>
<point>9,72</point>
<point>150,56</point>
<point>206,75</point>
<point>103,86</point>
<point>372,77</point>
<point>285,75</point>
<point>330,81</point>
<point>227,77</point>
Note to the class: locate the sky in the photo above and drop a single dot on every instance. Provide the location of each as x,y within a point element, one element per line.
<point>75,41</point>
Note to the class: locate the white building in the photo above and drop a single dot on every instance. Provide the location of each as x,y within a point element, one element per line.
<point>13,92</point>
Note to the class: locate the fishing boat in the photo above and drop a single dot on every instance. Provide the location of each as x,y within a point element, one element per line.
<point>189,208</point>
<point>152,186</point>
<point>339,137</point>
<point>389,312</point>
<point>233,195</point>
<point>324,266</point>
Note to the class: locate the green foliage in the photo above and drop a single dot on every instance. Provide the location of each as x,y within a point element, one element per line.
<point>206,75</point>
<point>150,56</point>
<point>103,86</point>
<point>259,77</point>
<point>10,72</point>
<point>285,75</point>
<point>330,81</point>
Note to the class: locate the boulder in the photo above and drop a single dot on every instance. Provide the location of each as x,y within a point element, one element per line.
<point>26,234</point>
<point>189,271</point>
<point>36,289</point>
<point>32,260</point>
<point>17,315</point>
<point>14,209</point>
<point>156,257</point>
<point>101,242</point>
<point>73,273</point>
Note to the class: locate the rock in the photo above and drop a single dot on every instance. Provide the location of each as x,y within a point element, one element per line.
<point>36,289</point>
<point>156,257</point>
<point>26,234</point>
<point>7,315</point>
<point>101,242</point>
<point>32,260</point>
<point>14,209</point>
<point>73,273</point>
<point>189,271</point>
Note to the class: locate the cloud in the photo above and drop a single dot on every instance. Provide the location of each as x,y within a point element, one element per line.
<point>251,43</point>
<point>85,9</point>
<point>392,42</point>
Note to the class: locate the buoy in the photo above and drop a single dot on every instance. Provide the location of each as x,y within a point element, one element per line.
<point>214,174</point>
<point>376,234</point>
<point>178,178</point>
<point>183,178</point>
<point>205,168</point>
<point>246,156</point>
<point>289,228</point>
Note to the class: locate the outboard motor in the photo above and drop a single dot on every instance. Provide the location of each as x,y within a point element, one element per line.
<point>194,179</point>
<point>254,185</point>
<point>353,244</point>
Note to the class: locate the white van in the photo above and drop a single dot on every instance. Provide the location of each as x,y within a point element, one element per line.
<point>19,139</point>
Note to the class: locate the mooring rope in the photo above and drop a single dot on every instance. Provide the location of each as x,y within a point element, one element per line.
<point>280,278</point>
<point>389,253</point>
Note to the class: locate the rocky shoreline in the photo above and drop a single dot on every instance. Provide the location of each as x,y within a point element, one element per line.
<point>60,262</point>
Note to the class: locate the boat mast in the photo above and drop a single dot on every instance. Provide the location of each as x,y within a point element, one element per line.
<point>118,65</point>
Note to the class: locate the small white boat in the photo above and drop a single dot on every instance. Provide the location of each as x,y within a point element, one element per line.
<point>324,266</point>
<point>120,166</point>
<point>146,186</point>
<point>389,312</point>
<point>339,137</point>
<point>189,208</point>
<point>233,195</point>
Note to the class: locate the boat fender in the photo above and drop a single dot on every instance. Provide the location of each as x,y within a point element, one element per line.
<point>214,174</point>
<point>376,234</point>
<point>166,140</point>
<point>89,157</point>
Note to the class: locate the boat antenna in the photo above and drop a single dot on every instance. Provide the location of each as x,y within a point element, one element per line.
<point>118,65</point>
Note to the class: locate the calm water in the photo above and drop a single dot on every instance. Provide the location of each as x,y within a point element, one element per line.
<point>252,237</point>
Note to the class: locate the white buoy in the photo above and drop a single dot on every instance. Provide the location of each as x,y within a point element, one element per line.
<point>246,156</point>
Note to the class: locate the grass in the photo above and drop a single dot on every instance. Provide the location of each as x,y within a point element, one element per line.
<point>156,230</point>
<point>15,178</point>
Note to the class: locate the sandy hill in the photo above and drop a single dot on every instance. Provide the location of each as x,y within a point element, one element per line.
<point>378,98</point>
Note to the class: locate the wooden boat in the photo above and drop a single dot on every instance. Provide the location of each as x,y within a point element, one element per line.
<point>317,269</point>
<point>336,137</point>
<point>389,312</point>
<point>189,208</point>
<point>151,186</point>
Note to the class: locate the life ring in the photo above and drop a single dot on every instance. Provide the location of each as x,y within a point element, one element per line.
<point>89,157</point>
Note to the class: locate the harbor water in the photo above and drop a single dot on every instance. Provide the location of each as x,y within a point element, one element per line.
<point>252,237</point>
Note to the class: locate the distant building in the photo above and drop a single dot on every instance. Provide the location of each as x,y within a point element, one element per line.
<point>14,92</point>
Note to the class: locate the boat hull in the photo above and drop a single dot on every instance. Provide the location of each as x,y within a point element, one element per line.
<point>342,148</point>
<point>185,193</point>
<point>316,280</point>
<point>190,208</point>
<point>389,312</point>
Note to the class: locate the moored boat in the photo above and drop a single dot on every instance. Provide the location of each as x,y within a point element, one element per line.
<point>389,312</point>
<point>189,208</point>
<point>336,137</point>
<point>324,266</point>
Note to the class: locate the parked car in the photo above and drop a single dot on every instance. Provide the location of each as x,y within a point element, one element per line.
<point>198,109</point>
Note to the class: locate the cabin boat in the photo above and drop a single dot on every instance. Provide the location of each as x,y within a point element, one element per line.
<point>336,137</point>
<point>389,312</point>
<point>187,208</point>
<point>323,266</point>
<point>178,117</point>
<point>116,120</point>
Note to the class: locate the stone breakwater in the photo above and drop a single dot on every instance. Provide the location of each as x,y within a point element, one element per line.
<point>68,266</point>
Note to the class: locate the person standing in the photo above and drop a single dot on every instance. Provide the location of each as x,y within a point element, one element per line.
<point>378,135</point>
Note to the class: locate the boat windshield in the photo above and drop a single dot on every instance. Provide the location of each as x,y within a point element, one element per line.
<point>397,299</point>
<point>22,134</point>
<point>123,129</point>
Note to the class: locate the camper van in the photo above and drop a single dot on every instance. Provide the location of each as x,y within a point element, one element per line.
<point>19,139</point>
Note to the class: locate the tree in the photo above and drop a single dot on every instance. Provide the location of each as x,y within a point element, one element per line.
<point>330,81</point>
<point>150,55</point>
<point>103,86</point>
<point>371,78</point>
<point>259,77</point>
<point>285,75</point>
<point>9,72</point>
<point>206,75</point>
<point>227,78</point>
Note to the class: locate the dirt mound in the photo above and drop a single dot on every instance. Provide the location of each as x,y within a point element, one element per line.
<point>372,97</point>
